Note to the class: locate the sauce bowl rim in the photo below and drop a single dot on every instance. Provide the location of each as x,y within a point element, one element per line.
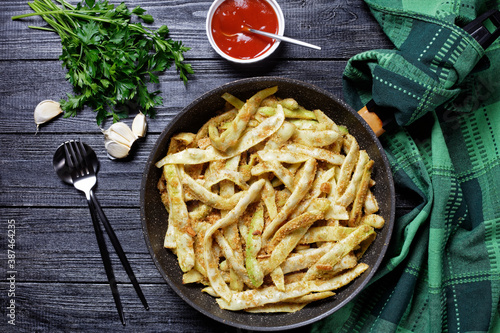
<point>281,29</point>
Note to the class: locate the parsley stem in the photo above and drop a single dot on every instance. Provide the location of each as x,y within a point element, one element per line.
<point>41,28</point>
<point>64,3</point>
<point>67,12</point>
<point>60,29</point>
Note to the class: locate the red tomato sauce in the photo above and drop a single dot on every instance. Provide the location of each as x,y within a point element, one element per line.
<point>228,23</point>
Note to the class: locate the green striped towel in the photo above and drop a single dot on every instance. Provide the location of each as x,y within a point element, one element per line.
<point>442,270</point>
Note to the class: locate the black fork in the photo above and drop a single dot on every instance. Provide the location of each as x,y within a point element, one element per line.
<point>84,179</point>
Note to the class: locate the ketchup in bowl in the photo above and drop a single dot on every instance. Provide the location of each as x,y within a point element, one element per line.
<point>232,17</point>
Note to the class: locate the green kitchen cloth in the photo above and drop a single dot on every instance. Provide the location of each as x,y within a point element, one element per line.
<point>441,272</point>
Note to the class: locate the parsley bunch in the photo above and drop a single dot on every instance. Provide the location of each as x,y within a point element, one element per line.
<point>109,58</point>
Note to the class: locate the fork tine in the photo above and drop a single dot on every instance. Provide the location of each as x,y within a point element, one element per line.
<point>76,153</point>
<point>86,159</point>
<point>81,155</point>
<point>68,155</point>
<point>82,149</point>
<point>76,158</point>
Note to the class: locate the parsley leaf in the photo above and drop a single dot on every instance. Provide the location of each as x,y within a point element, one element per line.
<point>110,57</point>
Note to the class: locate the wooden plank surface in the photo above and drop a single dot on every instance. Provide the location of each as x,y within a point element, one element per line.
<point>342,28</point>
<point>60,283</point>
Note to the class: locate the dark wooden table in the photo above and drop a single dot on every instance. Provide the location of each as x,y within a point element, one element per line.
<point>59,281</point>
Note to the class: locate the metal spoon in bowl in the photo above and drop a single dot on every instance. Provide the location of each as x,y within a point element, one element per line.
<point>282,38</point>
<point>77,164</point>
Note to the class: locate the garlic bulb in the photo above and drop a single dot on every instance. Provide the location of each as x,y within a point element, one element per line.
<point>45,111</point>
<point>119,137</point>
<point>139,125</point>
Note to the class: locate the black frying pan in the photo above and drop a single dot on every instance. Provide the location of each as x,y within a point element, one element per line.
<point>154,216</point>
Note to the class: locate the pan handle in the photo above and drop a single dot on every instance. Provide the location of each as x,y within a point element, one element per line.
<point>373,120</point>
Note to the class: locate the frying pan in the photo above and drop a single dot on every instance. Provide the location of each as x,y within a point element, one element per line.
<point>154,216</point>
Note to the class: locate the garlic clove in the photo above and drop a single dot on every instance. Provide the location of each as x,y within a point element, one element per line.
<point>139,125</point>
<point>46,110</point>
<point>116,149</point>
<point>119,137</point>
<point>121,133</point>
